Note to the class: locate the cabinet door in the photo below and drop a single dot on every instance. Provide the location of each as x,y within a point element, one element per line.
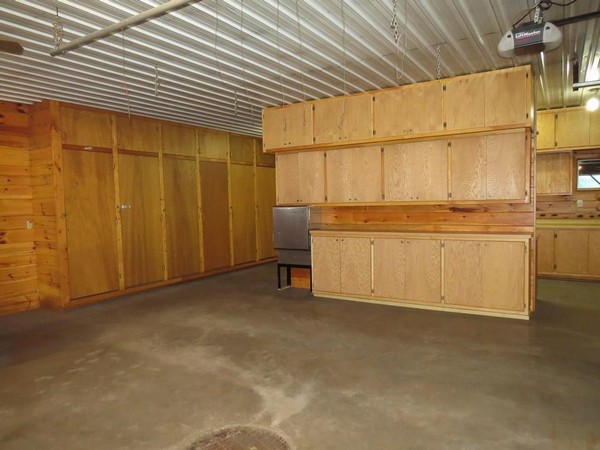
<point>389,268</point>
<point>343,118</point>
<point>459,92</point>
<point>286,166</point>
<point>215,215</point>
<point>407,110</point>
<point>243,209</point>
<point>554,171</point>
<point>178,139</point>
<point>505,168</point>
<point>311,177</point>
<point>140,219</point>
<point>355,263</point>
<point>506,97</point>
<point>573,128</point>
<point>91,229</point>
<point>463,274</point>
<point>181,211</point>
<point>416,171</point>
<point>265,200</point>
<point>504,275</point>
<point>288,126</point>
<point>423,270</point>
<point>570,252</point>
<point>468,168</point>
<point>545,251</point>
<point>243,213</point>
<point>326,264</point>
<point>594,252</point>
<point>85,127</point>
<point>485,274</point>
<point>354,175</point>
<point>546,129</point>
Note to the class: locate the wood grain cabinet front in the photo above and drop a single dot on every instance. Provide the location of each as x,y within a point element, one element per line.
<point>354,175</point>
<point>300,178</point>
<point>569,252</point>
<point>288,126</point>
<point>484,274</point>
<point>343,118</point>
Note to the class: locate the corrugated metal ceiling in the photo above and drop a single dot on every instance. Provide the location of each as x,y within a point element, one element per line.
<point>219,62</point>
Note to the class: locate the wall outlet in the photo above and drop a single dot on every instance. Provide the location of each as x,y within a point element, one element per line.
<point>580,203</point>
<point>29,224</point>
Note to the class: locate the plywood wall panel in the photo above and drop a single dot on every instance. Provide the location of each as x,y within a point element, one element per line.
<point>181,213</point>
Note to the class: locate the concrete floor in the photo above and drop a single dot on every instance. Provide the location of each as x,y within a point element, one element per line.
<point>155,370</point>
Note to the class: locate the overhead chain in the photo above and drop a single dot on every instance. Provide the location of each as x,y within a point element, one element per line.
<point>156,80</point>
<point>58,30</point>
<point>394,25</point>
<point>438,63</point>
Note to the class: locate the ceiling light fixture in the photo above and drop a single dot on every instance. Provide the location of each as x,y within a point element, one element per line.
<point>592,104</point>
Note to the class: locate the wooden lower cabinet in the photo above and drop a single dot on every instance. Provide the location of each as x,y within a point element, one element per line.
<point>569,252</point>
<point>342,265</point>
<point>407,269</point>
<point>486,274</point>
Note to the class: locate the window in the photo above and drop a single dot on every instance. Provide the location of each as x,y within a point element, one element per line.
<point>588,174</point>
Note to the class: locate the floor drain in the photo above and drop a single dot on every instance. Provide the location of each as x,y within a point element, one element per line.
<point>240,437</point>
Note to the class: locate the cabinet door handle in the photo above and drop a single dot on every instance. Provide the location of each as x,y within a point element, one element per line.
<point>121,207</point>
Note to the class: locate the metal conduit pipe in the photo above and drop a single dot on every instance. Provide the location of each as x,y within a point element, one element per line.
<point>133,21</point>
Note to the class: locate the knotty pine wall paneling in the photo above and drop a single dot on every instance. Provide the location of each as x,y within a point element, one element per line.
<point>18,277</point>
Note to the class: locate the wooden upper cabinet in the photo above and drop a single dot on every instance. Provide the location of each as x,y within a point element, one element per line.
<point>554,173</point>
<point>507,97</point>
<point>354,175</point>
<point>343,118</point>
<point>507,161</point>
<point>300,178</point>
<point>468,168</point>
<point>213,144</point>
<point>489,167</point>
<point>138,134</point>
<point>546,128</point>
<point>241,148</point>
<point>411,109</point>
<point>288,126</point>
<point>416,171</point>
<point>461,91</point>
<point>178,139</point>
<point>572,128</point>
<point>85,127</point>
